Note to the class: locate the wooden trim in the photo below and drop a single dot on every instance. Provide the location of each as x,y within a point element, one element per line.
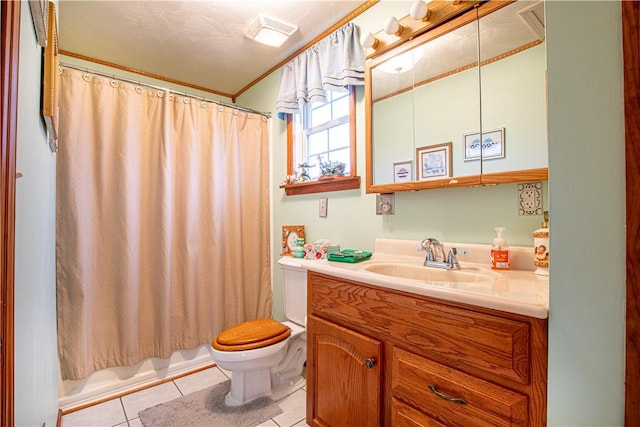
<point>321,186</point>
<point>526,175</point>
<point>631,47</point>
<point>51,80</point>
<point>324,34</point>
<point>61,412</point>
<point>144,73</point>
<point>10,36</point>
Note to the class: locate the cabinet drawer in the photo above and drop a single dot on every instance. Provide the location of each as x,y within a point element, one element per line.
<point>403,415</point>
<point>432,388</point>
<point>454,335</point>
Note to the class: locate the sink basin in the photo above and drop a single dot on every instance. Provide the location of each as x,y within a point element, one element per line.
<point>430,274</point>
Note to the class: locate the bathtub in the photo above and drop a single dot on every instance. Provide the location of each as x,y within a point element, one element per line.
<point>112,382</point>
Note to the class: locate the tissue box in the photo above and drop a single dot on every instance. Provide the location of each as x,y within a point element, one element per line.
<point>319,251</point>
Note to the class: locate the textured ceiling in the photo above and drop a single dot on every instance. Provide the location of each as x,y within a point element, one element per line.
<point>201,43</point>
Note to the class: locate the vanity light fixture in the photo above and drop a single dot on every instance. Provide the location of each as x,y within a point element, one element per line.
<point>368,40</point>
<point>392,26</point>
<point>270,31</point>
<point>420,10</point>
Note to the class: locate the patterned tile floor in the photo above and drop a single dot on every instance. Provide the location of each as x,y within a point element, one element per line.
<point>123,411</point>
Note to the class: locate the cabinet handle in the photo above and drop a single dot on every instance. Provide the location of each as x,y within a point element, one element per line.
<point>369,362</point>
<point>443,396</point>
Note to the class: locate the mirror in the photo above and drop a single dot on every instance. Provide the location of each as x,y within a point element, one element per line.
<point>428,101</point>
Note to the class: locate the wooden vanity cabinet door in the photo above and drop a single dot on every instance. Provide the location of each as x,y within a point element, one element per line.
<point>344,385</point>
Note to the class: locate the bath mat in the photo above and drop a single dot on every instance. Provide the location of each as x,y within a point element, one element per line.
<point>207,408</point>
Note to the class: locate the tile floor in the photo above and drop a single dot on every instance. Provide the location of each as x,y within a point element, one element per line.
<point>123,411</point>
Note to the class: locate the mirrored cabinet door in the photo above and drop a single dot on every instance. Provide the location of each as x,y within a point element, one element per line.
<point>463,104</point>
<point>513,74</point>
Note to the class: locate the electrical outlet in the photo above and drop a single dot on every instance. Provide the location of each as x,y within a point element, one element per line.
<point>385,204</point>
<point>322,207</point>
<point>530,198</point>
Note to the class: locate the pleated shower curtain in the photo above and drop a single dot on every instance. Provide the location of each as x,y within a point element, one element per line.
<point>162,222</point>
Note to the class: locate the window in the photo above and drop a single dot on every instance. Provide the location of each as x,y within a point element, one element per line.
<point>323,134</point>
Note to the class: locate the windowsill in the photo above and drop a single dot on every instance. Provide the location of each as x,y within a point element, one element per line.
<point>322,185</point>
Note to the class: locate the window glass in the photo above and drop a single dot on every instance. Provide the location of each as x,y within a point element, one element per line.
<point>320,139</point>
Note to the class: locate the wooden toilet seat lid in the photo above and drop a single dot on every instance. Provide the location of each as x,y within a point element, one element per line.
<point>251,335</point>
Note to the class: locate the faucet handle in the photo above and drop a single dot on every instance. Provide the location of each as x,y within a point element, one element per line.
<point>458,251</point>
<point>452,260</point>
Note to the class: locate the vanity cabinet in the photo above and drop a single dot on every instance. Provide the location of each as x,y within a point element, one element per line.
<point>435,362</point>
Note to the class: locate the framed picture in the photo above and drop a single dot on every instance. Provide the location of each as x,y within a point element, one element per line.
<point>403,171</point>
<point>434,161</point>
<point>39,14</point>
<point>289,235</point>
<point>492,146</point>
<point>50,80</point>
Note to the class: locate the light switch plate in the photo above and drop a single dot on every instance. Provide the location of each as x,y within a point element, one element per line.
<point>322,207</point>
<point>385,204</point>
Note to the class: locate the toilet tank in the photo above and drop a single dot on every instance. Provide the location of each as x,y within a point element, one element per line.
<point>294,289</point>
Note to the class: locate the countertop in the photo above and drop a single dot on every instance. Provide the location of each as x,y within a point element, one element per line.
<point>514,291</point>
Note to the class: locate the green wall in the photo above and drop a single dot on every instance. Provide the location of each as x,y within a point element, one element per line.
<point>36,354</point>
<point>585,193</point>
<point>586,199</point>
<point>587,196</point>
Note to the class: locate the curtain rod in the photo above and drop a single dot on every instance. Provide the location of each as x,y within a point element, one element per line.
<point>175,92</point>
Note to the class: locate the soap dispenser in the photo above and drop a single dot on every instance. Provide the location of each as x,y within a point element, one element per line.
<point>500,251</point>
<point>541,245</point>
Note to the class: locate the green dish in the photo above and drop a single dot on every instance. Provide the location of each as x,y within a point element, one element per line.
<point>349,255</point>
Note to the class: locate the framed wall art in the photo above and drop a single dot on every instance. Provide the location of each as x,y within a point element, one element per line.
<point>492,146</point>
<point>50,80</point>
<point>433,161</point>
<point>289,235</point>
<point>403,171</point>
<point>40,16</point>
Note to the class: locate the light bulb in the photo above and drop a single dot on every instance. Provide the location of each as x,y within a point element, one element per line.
<point>420,11</point>
<point>392,26</point>
<point>367,40</point>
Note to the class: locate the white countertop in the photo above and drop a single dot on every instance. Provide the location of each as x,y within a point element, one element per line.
<point>514,291</point>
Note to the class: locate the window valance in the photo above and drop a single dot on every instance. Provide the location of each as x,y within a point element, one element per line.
<point>333,63</point>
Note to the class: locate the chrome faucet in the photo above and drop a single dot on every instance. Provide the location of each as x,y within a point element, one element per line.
<point>436,257</point>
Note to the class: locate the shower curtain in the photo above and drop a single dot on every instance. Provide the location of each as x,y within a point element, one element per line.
<point>162,222</point>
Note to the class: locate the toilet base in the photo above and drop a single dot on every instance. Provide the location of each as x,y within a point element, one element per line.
<point>277,380</point>
<point>281,390</point>
<point>247,386</point>
<point>276,392</point>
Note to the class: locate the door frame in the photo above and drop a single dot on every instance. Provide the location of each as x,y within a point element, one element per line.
<point>10,41</point>
<point>631,66</point>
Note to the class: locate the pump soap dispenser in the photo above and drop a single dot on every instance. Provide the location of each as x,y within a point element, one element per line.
<point>541,244</point>
<point>500,252</point>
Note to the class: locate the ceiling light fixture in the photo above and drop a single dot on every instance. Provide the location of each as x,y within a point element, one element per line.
<point>270,31</point>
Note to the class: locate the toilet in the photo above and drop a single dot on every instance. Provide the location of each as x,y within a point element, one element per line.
<point>267,357</point>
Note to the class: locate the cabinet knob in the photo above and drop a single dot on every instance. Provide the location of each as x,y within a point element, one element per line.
<point>443,396</point>
<point>369,362</point>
